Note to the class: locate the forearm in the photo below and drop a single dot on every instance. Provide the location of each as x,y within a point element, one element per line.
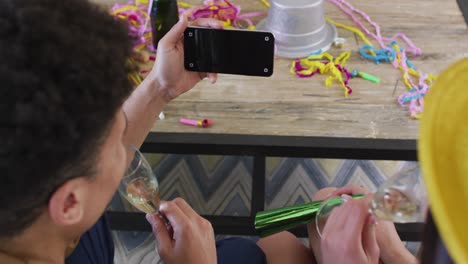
<point>142,109</point>
<point>167,80</point>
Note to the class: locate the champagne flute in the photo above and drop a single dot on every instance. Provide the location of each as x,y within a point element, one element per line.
<point>139,184</point>
<point>402,199</point>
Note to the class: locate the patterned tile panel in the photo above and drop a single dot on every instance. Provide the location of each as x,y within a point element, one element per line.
<point>221,185</point>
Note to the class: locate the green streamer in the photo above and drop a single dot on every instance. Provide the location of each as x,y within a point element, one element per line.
<point>274,221</point>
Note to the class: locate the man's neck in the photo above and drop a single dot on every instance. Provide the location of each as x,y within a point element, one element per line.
<point>37,244</point>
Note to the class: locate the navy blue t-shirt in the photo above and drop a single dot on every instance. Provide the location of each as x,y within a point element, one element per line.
<point>97,247</point>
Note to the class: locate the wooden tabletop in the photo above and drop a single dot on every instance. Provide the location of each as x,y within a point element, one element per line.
<point>285,105</point>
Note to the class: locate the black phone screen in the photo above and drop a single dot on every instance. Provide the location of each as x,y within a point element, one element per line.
<point>242,52</point>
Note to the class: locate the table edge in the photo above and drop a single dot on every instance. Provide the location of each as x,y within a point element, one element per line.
<point>281,146</point>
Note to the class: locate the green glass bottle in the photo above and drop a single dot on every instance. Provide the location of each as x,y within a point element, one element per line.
<point>164,15</point>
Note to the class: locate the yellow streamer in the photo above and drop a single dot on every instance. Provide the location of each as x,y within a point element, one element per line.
<point>411,72</point>
<point>354,30</point>
<point>266,3</point>
<point>343,58</point>
<point>314,62</point>
<point>185,5</point>
<point>123,9</point>
<point>141,2</point>
<point>135,78</point>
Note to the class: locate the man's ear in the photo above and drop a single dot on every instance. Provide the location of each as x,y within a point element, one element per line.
<point>66,205</point>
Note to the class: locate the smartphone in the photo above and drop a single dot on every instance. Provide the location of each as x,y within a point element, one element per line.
<point>229,51</point>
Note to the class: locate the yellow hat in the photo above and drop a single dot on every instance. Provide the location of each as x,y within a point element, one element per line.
<point>443,154</point>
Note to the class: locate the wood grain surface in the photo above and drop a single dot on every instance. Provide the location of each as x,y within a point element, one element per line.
<point>286,105</point>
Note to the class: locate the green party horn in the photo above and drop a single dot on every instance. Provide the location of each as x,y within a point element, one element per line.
<point>365,76</point>
<point>274,221</point>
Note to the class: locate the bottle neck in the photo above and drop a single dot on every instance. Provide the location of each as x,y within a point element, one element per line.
<point>166,5</point>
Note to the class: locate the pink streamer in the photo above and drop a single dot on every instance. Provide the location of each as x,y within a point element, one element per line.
<point>139,32</point>
<point>224,11</point>
<point>347,8</point>
<point>416,105</point>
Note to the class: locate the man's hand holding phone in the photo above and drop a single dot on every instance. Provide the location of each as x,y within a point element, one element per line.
<point>171,78</point>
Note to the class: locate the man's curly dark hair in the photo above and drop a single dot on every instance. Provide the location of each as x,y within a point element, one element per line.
<point>63,78</point>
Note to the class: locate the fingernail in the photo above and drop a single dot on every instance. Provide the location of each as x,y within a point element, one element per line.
<point>346,197</point>
<point>372,220</point>
<point>162,206</point>
<point>150,219</point>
